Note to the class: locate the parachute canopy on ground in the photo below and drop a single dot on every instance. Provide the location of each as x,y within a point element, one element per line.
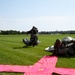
<point>67,47</point>
<point>68,39</point>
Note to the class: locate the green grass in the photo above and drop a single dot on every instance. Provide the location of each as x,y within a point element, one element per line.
<point>12,51</point>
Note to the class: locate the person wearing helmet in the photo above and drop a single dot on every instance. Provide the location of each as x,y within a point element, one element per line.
<point>33,36</point>
<point>57,45</point>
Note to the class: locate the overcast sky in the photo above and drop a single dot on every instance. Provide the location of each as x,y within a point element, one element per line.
<point>46,15</point>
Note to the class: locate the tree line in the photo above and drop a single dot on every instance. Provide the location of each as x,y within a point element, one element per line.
<point>58,32</point>
<point>8,32</point>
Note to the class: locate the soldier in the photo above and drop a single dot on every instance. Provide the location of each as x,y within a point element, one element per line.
<point>33,37</point>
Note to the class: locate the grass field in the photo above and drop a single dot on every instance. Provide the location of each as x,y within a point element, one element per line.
<point>12,51</point>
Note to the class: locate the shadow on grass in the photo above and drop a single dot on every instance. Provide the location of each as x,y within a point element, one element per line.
<point>64,56</point>
<point>22,47</point>
<point>55,74</point>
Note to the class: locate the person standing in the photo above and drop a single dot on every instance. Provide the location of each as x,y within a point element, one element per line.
<point>33,36</point>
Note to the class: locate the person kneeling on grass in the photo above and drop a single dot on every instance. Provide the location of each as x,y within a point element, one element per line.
<point>64,47</point>
<point>57,45</point>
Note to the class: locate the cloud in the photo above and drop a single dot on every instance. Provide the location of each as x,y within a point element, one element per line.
<point>44,23</point>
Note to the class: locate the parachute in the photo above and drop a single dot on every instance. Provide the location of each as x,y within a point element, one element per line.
<point>66,46</point>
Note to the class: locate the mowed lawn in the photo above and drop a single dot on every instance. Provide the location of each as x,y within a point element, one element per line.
<point>13,52</point>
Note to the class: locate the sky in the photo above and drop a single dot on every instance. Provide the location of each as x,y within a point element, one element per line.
<point>46,15</point>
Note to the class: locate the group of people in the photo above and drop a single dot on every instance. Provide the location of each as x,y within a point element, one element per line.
<point>64,46</point>
<point>67,45</point>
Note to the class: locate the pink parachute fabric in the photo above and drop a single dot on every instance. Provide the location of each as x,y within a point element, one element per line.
<point>14,68</point>
<point>45,66</point>
<point>65,71</point>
